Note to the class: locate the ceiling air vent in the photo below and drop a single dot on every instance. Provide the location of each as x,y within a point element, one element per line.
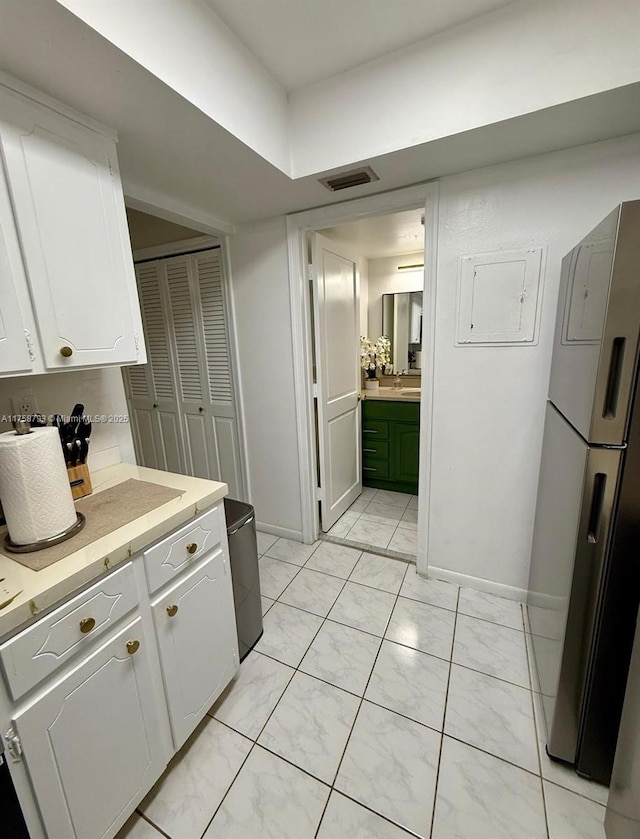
<point>346,180</point>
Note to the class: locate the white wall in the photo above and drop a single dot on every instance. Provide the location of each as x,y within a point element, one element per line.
<point>384,278</point>
<point>260,291</point>
<point>100,391</point>
<point>146,231</point>
<point>363,267</point>
<point>524,58</point>
<point>189,47</point>
<point>489,401</point>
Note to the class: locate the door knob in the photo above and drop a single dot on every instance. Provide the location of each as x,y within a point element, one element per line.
<point>172,611</point>
<point>133,647</point>
<point>66,352</point>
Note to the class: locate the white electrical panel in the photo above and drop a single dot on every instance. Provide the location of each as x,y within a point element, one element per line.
<point>499,296</point>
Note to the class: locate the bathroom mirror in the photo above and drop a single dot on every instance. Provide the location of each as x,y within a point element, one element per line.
<point>402,323</point>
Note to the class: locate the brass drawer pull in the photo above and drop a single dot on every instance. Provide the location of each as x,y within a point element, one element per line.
<point>192,547</point>
<point>87,624</point>
<point>66,352</point>
<point>133,647</point>
<point>172,611</point>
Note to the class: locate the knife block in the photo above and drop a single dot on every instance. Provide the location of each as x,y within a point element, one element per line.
<point>80,481</point>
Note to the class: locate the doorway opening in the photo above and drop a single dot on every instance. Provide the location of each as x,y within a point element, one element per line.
<point>183,402</point>
<point>368,274</point>
<point>368,451</point>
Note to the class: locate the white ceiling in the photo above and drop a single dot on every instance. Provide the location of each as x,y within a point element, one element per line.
<point>302,41</point>
<point>177,156</point>
<point>382,236</point>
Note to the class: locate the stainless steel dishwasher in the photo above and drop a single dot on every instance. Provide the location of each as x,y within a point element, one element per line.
<point>245,574</point>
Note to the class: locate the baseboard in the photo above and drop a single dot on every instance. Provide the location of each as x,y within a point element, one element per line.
<point>477,583</point>
<point>276,530</point>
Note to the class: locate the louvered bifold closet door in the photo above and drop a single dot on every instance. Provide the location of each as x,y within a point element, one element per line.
<point>182,402</point>
<point>214,337</point>
<point>191,375</point>
<point>150,387</point>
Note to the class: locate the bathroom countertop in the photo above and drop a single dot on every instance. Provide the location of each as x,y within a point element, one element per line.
<point>41,589</point>
<point>405,394</point>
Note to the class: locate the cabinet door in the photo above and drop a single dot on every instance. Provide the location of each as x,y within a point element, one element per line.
<point>68,203</point>
<point>405,452</point>
<point>16,353</point>
<point>91,743</point>
<point>195,624</point>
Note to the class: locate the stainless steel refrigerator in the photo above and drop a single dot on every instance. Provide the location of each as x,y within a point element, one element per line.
<point>584,586</point>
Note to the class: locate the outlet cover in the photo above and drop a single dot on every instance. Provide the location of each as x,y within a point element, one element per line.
<point>24,403</point>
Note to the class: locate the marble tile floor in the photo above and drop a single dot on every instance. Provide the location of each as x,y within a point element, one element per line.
<point>389,707</point>
<point>380,520</point>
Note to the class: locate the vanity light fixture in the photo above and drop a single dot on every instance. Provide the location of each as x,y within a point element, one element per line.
<point>414,267</point>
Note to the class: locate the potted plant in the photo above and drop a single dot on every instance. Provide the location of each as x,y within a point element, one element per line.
<point>372,356</point>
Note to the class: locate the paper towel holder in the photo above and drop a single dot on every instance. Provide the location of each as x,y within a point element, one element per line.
<point>76,527</point>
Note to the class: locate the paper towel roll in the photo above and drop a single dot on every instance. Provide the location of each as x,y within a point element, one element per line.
<point>34,486</point>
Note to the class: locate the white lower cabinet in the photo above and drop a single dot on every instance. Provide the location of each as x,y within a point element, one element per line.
<point>195,627</point>
<point>90,742</point>
<point>96,690</point>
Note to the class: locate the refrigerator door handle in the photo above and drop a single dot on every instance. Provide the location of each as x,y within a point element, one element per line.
<point>597,501</point>
<point>614,378</point>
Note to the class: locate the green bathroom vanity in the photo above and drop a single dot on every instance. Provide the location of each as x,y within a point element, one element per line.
<point>390,444</point>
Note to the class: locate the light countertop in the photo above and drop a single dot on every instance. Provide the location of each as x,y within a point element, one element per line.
<point>405,394</point>
<point>41,589</point>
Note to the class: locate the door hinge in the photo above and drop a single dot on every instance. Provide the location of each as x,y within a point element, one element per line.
<point>320,494</point>
<point>110,167</point>
<point>315,390</point>
<point>14,746</point>
<point>310,273</point>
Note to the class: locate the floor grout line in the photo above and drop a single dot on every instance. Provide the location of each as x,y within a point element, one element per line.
<point>444,721</point>
<point>357,714</point>
<point>222,800</point>
<point>406,830</point>
<point>153,824</point>
<point>535,732</point>
<point>403,508</point>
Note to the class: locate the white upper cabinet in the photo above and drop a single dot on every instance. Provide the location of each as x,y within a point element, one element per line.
<point>15,327</point>
<point>69,213</point>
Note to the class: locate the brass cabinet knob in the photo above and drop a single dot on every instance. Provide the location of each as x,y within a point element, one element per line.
<point>133,647</point>
<point>66,352</point>
<point>172,611</point>
<point>192,547</point>
<point>87,624</point>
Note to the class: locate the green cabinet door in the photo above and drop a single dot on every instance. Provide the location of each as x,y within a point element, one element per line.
<point>405,452</point>
<point>390,445</point>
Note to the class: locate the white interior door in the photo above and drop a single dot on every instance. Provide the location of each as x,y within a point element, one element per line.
<point>336,314</point>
